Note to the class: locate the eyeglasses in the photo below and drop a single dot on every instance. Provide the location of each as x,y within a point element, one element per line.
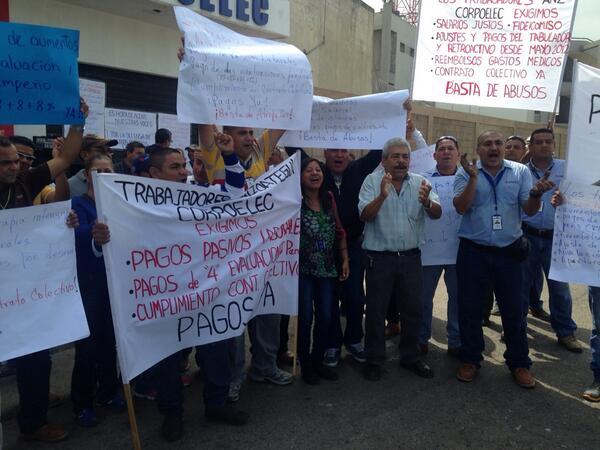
<point>26,156</point>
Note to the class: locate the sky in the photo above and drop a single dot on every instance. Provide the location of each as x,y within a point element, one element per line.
<point>587,17</point>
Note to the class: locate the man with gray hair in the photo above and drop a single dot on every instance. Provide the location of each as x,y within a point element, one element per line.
<point>393,204</point>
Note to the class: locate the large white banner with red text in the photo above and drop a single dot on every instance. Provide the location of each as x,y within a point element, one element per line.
<point>189,265</point>
<point>507,54</point>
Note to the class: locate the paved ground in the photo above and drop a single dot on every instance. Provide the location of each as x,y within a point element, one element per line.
<point>400,411</point>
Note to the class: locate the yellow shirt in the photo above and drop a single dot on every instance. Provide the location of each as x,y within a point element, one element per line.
<point>254,166</point>
<point>42,197</point>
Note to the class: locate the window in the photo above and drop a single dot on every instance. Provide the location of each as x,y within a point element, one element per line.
<point>402,47</point>
<point>393,50</point>
<point>412,52</point>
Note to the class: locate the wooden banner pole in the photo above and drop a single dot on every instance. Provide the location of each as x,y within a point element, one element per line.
<point>135,436</point>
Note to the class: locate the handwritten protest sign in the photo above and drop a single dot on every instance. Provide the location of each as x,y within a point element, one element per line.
<point>126,126</point>
<point>209,265</point>
<point>441,236</point>
<point>583,148</point>
<point>180,131</point>
<point>421,160</point>
<point>364,122</point>
<point>230,79</point>
<point>576,244</point>
<point>507,54</point>
<point>38,75</point>
<point>94,94</point>
<point>40,304</point>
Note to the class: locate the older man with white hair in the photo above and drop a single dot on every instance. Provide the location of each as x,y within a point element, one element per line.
<point>393,204</point>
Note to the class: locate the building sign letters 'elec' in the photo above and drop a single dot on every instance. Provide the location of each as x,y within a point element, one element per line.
<point>258,7</point>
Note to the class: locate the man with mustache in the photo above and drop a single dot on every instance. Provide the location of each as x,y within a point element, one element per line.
<point>489,194</point>
<point>393,204</point>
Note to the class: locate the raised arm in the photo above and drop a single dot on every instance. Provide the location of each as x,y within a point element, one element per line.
<point>463,201</point>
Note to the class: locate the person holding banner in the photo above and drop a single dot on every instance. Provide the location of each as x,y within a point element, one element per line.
<point>489,195</point>
<point>539,230</point>
<point>393,204</point>
<point>446,156</point>
<point>592,393</point>
<point>96,355</point>
<point>320,233</point>
<point>18,190</point>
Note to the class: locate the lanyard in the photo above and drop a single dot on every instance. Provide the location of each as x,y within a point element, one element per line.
<point>534,169</point>
<point>494,183</point>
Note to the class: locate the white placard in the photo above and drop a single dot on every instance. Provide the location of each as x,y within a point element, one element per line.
<point>180,131</point>
<point>206,264</point>
<point>441,236</point>
<point>40,304</point>
<point>583,148</point>
<point>364,122</point>
<point>94,94</point>
<point>496,54</point>
<point>576,244</point>
<point>231,79</point>
<point>126,126</point>
<point>421,160</point>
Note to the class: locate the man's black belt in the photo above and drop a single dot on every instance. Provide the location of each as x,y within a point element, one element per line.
<point>410,252</point>
<point>546,234</point>
<point>487,248</point>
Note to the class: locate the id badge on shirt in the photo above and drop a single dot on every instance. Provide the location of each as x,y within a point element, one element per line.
<point>541,206</point>
<point>496,222</point>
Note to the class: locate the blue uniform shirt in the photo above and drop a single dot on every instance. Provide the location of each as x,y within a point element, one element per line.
<point>513,186</point>
<point>544,219</point>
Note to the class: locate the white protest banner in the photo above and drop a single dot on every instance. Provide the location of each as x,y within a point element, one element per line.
<point>364,122</point>
<point>583,148</point>
<point>576,244</point>
<point>507,54</point>
<point>180,131</point>
<point>421,160</point>
<point>441,236</point>
<point>40,304</point>
<point>230,79</point>
<point>126,126</point>
<point>205,264</point>
<point>94,94</point>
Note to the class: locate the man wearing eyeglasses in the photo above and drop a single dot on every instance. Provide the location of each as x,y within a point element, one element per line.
<point>25,150</point>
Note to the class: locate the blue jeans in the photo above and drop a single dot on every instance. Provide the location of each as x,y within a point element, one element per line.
<point>431,277</point>
<point>560,300</point>
<point>477,269</point>
<point>317,293</point>
<point>33,382</point>
<point>594,297</point>
<point>353,299</point>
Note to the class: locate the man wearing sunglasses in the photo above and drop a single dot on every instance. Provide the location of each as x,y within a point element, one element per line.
<point>25,150</point>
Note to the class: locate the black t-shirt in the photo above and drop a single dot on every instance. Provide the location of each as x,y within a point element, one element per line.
<point>28,185</point>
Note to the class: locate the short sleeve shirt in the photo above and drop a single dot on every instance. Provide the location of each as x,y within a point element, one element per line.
<point>27,186</point>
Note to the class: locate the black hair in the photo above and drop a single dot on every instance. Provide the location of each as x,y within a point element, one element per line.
<point>4,142</point>
<point>158,155</point>
<point>133,145</point>
<point>443,138</point>
<point>22,140</point>
<point>162,136</point>
<point>540,131</point>
<point>516,138</point>
<point>95,157</point>
<point>324,194</point>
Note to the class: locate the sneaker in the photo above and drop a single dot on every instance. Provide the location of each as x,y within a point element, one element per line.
<point>331,358</point>
<point>570,343</point>
<point>539,313</point>
<point>226,414</point>
<point>172,428</point>
<point>86,418</point>
<point>278,377</point>
<point>358,352</point>
<point>47,433</point>
<point>592,394</point>
<point>116,403</point>
<point>234,392</point>
<point>523,378</point>
<point>419,368</point>
<point>149,395</point>
<point>327,373</point>
<point>186,380</point>
<point>309,374</point>
<point>467,372</point>
<point>392,330</point>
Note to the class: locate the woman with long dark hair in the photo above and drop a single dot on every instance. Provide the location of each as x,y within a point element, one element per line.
<point>321,238</point>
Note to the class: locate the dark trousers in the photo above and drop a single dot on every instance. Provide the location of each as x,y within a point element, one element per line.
<point>33,383</point>
<point>283,335</point>
<point>399,279</point>
<point>353,300</point>
<point>477,270</point>
<point>315,294</point>
<point>213,360</point>
<point>95,356</point>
